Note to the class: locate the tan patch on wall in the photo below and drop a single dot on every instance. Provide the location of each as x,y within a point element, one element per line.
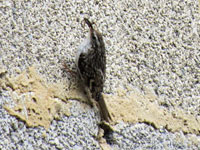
<point>137,107</point>
<point>35,101</point>
<point>38,103</point>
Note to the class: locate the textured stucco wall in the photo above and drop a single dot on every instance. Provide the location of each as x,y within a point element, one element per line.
<point>150,45</point>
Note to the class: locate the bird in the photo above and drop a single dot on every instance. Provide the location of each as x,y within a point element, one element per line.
<point>91,66</point>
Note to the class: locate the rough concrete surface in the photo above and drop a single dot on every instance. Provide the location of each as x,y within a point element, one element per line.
<point>153,47</point>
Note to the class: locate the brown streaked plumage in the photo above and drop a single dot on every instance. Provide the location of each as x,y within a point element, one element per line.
<point>91,66</point>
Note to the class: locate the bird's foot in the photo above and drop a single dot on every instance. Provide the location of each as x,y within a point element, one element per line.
<point>67,69</point>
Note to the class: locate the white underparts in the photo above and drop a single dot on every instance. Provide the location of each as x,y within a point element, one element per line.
<point>83,48</point>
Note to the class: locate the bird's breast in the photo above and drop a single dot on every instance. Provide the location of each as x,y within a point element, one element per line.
<point>83,48</point>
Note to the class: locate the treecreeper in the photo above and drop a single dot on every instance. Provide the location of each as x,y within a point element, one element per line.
<point>91,67</point>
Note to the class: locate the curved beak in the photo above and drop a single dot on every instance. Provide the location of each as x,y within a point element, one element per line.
<point>88,23</point>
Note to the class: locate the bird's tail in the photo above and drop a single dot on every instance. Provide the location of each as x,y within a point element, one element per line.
<point>105,115</point>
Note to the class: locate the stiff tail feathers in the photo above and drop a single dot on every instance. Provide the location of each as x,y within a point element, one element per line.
<point>103,109</point>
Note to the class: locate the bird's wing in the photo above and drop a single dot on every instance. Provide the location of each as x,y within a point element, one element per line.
<point>85,68</point>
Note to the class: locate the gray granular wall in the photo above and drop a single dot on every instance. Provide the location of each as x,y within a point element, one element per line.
<point>150,44</point>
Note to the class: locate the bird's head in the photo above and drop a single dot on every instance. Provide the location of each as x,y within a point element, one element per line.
<point>95,36</point>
